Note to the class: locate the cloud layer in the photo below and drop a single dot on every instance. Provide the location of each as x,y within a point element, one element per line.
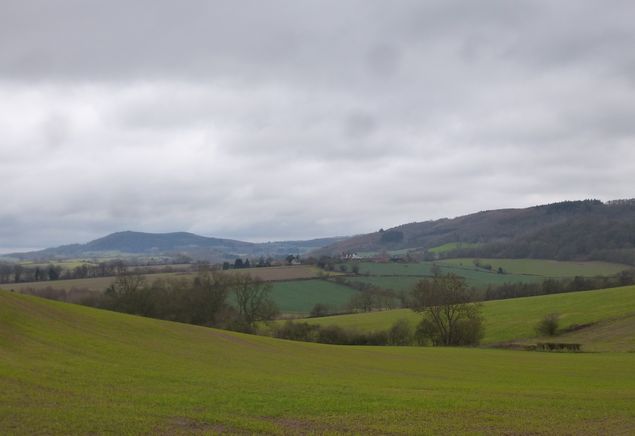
<point>285,119</point>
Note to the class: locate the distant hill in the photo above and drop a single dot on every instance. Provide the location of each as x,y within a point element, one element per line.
<point>570,230</point>
<point>130,243</point>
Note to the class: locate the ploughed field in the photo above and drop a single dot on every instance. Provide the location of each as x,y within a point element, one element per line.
<point>72,369</point>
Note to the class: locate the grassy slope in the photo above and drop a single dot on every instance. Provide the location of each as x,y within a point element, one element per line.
<point>506,320</point>
<point>70,369</point>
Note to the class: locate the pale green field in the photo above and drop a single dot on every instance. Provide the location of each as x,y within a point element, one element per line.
<point>450,246</point>
<point>67,369</point>
<point>402,276</point>
<point>546,268</point>
<point>513,319</point>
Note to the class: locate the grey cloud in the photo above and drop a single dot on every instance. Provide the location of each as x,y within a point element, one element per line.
<point>281,119</point>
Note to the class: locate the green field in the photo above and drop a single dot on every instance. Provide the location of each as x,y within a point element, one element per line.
<point>301,295</point>
<point>545,268</point>
<point>67,369</point>
<point>509,320</point>
<point>402,276</point>
<point>451,246</point>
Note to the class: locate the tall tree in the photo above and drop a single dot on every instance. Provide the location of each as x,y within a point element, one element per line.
<point>450,317</point>
<point>253,300</point>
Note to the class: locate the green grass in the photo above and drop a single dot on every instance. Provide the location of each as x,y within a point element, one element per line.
<point>300,296</point>
<point>509,320</point>
<point>546,268</point>
<point>68,369</point>
<point>396,283</point>
<point>451,246</point>
<point>516,271</point>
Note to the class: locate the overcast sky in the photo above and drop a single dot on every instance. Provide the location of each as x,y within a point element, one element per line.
<point>268,120</point>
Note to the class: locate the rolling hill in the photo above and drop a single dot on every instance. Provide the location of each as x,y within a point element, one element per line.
<point>607,311</point>
<point>67,369</point>
<point>571,230</point>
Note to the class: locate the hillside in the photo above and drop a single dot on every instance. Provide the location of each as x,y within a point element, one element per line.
<point>515,319</point>
<point>171,244</point>
<point>71,369</point>
<point>574,230</point>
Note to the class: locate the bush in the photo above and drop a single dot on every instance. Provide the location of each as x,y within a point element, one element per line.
<point>300,331</point>
<point>333,334</point>
<point>400,333</point>
<point>320,310</point>
<point>548,326</point>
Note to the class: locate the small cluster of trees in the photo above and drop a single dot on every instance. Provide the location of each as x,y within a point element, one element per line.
<point>239,263</point>
<point>400,333</point>
<point>16,273</point>
<point>202,300</point>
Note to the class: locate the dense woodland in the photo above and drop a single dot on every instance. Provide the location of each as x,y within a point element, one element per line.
<point>570,230</point>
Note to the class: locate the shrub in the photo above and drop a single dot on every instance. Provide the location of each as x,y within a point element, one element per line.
<point>333,334</point>
<point>400,333</point>
<point>548,326</point>
<point>320,310</point>
<point>300,331</point>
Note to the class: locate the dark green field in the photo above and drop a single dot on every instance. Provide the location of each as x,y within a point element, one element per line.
<point>299,296</point>
<point>67,369</point>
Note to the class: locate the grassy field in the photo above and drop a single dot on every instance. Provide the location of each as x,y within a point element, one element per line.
<point>68,369</point>
<point>509,320</point>
<point>451,246</point>
<point>299,297</point>
<point>545,268</point>
<point>402,276</point>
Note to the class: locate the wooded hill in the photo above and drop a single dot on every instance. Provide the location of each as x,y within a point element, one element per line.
<point>570,230</point>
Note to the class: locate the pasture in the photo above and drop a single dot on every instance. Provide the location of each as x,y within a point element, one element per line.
<point>71,369</point>
<point>451,246</point>
<point>515,319</point>
<point>540,267</point>
<point>299,297</point>
<point>402,276</point>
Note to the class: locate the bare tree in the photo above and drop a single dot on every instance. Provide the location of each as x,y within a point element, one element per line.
<point>450,318</point>
<point>253,300</point>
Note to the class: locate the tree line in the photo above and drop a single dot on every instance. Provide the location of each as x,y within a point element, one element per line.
<point>18,273</point>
